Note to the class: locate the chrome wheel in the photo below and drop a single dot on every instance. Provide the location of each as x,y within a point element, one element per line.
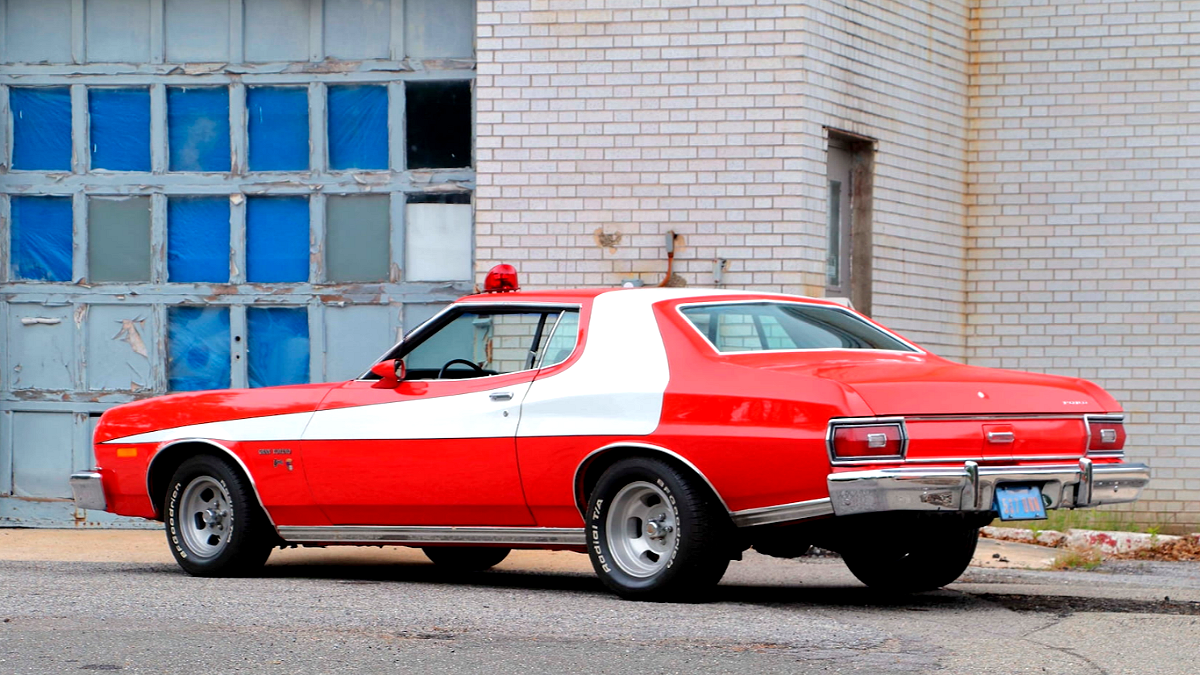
<point>206,517</point>
<point>641,529</point>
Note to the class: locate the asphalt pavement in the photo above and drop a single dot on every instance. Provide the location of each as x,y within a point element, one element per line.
<point>95,601</point>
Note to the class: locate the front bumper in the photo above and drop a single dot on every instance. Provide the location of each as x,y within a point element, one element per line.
<point>88,492</point>
<point>971,487</point>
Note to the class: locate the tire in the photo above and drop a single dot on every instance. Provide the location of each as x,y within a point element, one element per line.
<point>214,525</point>
<point>655,533</point>
<point>466,558</point>
<point>937,555</point>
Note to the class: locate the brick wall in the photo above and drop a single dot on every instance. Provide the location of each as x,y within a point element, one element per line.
<point>603,125</point>
<point>1085,175</point>
<point>897,72</point>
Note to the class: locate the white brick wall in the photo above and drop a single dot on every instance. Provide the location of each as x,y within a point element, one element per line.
<point>1035,172</point>
<point>603,124</point>
<point>1085,180</point>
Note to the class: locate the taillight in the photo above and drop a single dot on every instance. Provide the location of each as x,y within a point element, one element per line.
<point>867,441</point>
<point>1106,435</point>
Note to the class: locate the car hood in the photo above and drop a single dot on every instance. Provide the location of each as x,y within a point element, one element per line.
<point>897,383</point>
<point>201,407</point>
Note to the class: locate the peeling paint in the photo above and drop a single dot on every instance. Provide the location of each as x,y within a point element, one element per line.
<point>129,333</point>
<point>81,312</point>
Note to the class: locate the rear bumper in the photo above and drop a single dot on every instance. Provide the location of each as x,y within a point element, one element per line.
<point>87,491</point>
<point>971,487</point>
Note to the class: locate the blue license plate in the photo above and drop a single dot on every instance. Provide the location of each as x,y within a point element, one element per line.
<point>1020,502</point>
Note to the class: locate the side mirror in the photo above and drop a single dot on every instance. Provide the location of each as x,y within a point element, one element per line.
<point>392,369</point>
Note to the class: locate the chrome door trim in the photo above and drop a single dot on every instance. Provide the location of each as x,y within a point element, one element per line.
<point>427,534</point>
<point>813,508</point>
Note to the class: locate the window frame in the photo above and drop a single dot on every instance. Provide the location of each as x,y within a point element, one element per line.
<point>442,318</point>
<point>832,306</point>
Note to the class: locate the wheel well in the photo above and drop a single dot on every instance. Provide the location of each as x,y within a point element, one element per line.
<point>594,466</point>
<point>168,460</point>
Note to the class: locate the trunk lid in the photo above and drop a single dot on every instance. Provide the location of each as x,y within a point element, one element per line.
<point>960,412</point>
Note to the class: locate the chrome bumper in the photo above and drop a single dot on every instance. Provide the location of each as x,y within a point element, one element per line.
<point>972,487</point>
<point>87,491</point>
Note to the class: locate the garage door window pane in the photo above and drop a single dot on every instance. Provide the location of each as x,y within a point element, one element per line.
<point>358,132</point>
<point>198,128</point>
<point>119,128</point>
<point>119,239</point>
<point>439,28</point>
<point>277,239</point>
<point>197,348</point>
<point>41,238</point>
<point>278,346</point>
<point>439,242</point>
<point>357,238</point>
<point>278,128</point>
<point>438,124</point>
<point>41,128</point>
<point>198,239</point>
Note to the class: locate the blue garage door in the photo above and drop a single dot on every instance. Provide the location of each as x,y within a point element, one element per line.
<point>202,194</point>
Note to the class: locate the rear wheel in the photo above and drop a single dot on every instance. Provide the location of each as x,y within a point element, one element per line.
<point>934,555</point>
<point>213,524</point>
<point>654,533</point>
<point>466,558</point>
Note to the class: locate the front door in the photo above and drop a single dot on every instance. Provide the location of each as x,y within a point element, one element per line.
<point>440,448</point>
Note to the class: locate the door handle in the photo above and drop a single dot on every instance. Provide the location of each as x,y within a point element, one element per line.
<point>501,396</point>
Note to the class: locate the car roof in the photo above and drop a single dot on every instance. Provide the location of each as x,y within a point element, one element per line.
<point>649,294</point>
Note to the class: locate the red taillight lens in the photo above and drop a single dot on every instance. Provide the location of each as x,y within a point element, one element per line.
<point>865,442</point>
<point>1106,435</point>
<point>501,278</point>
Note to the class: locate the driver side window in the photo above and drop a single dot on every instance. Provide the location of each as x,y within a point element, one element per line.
<point>481,343</point>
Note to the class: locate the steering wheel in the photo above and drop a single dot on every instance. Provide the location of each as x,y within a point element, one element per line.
<point>442,372</point>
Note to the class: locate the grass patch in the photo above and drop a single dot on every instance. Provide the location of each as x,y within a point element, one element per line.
<point>1084,519</point>
<point>1078,559</point>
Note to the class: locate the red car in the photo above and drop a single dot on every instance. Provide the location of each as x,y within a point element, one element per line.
<point>662,431</point>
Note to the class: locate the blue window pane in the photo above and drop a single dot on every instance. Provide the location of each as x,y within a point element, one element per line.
<point>358,130</point>
<point>197,348</point>
<point>198,128</point>
<point>278,128</point>
<point>120,129</point>
<point>276,239</point>
<point>41,238</point>
<point>278,345</point>
<point>198,239</point>
<point>41,128</point>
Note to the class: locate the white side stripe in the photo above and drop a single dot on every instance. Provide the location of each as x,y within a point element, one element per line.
<point>269,428</point>
<point>617,385</point>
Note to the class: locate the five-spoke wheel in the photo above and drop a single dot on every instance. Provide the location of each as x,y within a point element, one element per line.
<point>213,523</point>
<point>207,517</point>
<point>641,529</point>
<point>656,533</point>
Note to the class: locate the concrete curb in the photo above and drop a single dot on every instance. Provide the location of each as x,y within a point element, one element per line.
<point>1106,542</point>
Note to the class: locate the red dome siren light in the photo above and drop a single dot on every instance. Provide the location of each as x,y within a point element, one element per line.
<point>501,279</point>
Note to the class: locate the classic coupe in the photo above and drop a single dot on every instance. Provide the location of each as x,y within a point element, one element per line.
<point>662,431</point>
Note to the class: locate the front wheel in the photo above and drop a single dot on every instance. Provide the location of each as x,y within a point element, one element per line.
<point>930,556</point>
<point>213,524</point>
<point>654,533</point>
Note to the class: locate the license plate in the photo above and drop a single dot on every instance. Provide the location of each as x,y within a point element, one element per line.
<point>1020,502</point>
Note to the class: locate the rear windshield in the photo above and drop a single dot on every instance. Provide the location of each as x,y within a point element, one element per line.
<point>777,326</point>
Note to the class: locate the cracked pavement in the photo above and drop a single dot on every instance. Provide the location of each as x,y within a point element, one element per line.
<point>116,602</point>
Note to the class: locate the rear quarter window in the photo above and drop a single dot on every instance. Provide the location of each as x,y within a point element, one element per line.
<point>778,326</point>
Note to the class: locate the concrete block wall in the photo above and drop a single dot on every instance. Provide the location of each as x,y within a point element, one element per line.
<point>1084,203</point>
<point>602,125</point>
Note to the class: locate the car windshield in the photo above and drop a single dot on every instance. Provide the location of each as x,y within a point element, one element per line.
<point>778,326</point>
